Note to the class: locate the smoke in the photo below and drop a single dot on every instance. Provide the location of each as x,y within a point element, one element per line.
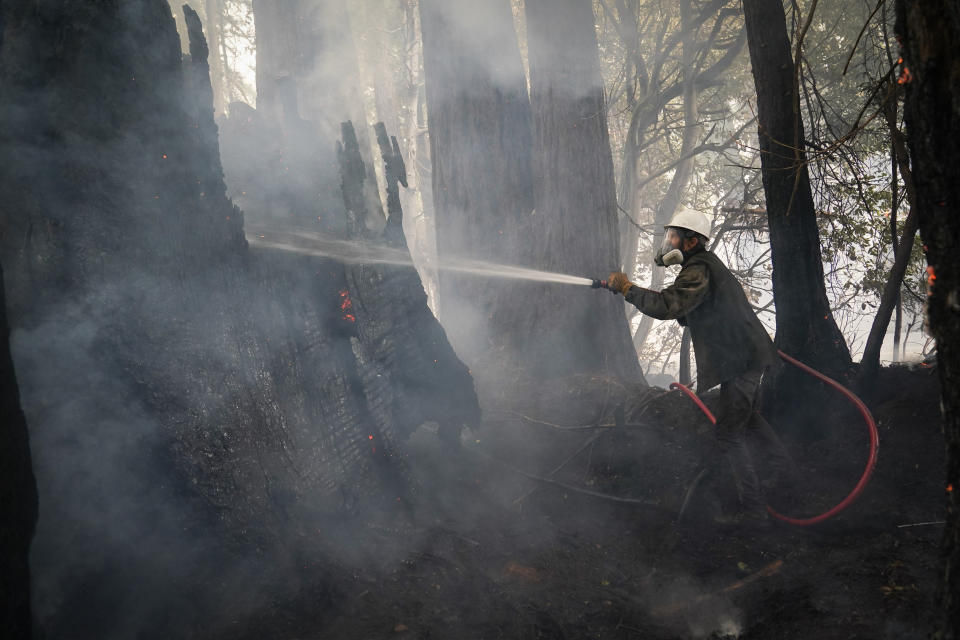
<point>206,424</point>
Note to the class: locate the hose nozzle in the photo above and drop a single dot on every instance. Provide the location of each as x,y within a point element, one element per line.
<point>601,284</point>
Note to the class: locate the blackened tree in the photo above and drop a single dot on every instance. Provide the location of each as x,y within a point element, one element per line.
<point>805,326</point>
<point>929,31</point>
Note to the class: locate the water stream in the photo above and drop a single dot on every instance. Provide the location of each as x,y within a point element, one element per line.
<point>364,252</point>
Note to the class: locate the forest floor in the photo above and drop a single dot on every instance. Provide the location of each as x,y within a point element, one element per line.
<point>486,552</point>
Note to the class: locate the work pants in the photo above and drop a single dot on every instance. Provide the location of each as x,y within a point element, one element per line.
<point>738,421</point>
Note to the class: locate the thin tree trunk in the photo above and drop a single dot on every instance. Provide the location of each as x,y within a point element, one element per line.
<point>684,374</point>
<point>870,363</point>
<point>929,31</point>
<point>574,189</point>
<point>890,298</point>
<point>894,242</point>
<point>805,326</point>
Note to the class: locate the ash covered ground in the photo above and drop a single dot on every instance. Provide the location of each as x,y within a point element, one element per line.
<point>490,553</point>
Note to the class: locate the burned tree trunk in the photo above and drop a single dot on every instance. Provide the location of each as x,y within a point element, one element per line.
<point>805,326</point>
<point>188,397</point>
<point>414,372</point>
<point>480,142</point>
<point>18,493</point>
<point>574,190</point>
<point>929,32</point>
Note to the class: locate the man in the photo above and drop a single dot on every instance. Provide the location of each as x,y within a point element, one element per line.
<point>731,346</point>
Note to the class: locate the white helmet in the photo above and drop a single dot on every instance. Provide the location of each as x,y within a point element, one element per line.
<point>671,252</point>
<point>692,221</point>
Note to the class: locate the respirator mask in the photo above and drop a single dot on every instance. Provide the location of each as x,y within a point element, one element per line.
<point>670,252</point>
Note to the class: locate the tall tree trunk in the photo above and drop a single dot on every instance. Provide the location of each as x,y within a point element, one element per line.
<point>805,326</point>
<point>574,187</point>
<point>277,50</point>
<point>929,31</point>
<point>18,493</point>
<point>480,142</point>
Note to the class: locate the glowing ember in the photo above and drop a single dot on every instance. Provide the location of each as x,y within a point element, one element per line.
<point>949,488</point>
<point>931,278</point>
<point>905,76</point>
<point>346,304</point>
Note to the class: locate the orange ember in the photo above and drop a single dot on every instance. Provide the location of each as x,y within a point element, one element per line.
<point>905,76</point>
<point>346,304</point>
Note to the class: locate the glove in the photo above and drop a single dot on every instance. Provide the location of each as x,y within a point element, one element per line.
<point>619,282</point>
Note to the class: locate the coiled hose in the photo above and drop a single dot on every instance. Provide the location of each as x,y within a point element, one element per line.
<point>871,429</point>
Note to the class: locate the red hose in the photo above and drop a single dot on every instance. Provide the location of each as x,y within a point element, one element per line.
<point>871,428</point>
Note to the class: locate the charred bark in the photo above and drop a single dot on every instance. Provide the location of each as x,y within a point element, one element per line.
<point>929,32</point>
<point>805,326</point>
<point>574,191</point>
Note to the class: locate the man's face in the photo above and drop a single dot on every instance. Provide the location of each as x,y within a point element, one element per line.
<point>674,238</point>
<point>677,241</point>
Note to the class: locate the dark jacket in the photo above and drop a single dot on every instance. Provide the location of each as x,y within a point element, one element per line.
<point>728,339</point>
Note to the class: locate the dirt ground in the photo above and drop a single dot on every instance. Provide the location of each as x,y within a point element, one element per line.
<point>487,552</point>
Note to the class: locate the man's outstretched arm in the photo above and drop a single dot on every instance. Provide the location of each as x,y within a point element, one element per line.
<point>676,301</point>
